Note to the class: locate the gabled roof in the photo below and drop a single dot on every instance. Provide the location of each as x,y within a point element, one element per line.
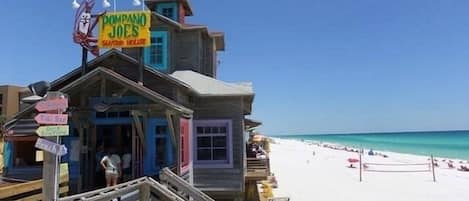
<point>207,86</point>
<point>133,86</point>
<point>116,77</point>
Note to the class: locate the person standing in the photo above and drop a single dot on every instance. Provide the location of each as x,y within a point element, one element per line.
<point>126,167</point>
<point>112,168</point>
<point>99,171</point>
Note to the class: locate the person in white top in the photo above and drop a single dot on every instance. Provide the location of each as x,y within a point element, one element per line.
<point>112,167</point>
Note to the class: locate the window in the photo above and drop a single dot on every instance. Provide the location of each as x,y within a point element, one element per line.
<point>26,155</point>
<point>156,50</point>
<point>213,142</point>
<point>1,99</point>
<point>156,55</point>
<point>122,114</point>
<point>169,10</point>
<point>160,144</point>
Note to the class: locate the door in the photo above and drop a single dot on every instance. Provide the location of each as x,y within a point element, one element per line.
<point>159,149</point>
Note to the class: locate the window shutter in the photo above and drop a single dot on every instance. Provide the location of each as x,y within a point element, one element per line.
<point>184,129</point>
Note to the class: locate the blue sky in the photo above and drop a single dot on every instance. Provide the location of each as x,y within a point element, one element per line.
<point>329,66</point>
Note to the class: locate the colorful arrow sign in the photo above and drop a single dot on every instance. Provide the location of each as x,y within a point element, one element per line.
<point>45,118</point>
<point>48,131</point>
<point>51,147</point>
<point>49,105</point>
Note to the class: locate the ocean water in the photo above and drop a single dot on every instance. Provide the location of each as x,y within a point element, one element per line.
<point>448,144</point>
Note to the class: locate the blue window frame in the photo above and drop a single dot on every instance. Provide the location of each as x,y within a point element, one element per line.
<point>157,54</point>
<point>169,10</point>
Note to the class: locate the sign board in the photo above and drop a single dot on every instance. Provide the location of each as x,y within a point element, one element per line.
<point>49,131</point>
<point>50,105</point>
<point>124,29</point>
<point>45,118</point>
<point>51,147</point>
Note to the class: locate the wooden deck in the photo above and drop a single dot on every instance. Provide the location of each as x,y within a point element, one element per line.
<point>257,169</point>
<point>30,190</point>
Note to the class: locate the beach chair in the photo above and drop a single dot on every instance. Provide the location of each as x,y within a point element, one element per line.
<point>450,165</point>
<point>463,168</point>
<point>279,199</point>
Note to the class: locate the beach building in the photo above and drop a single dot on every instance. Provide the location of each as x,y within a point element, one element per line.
<point>9,105</point>
<point>177,114</point>
<point>10,99</point>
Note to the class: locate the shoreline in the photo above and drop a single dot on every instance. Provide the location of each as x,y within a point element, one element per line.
<point>386,152</point>
<point>402,157</point>
<point>319,173</point>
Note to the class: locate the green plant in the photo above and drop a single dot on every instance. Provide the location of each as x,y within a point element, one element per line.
<point>3,120</point>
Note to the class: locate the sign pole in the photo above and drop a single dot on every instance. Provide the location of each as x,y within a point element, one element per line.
<point>57,168</point>
<point>84,59</point>
<point>141,64</point>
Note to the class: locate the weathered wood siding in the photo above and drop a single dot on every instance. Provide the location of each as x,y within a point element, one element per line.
<point>188,49</point>
<point>222,180</point>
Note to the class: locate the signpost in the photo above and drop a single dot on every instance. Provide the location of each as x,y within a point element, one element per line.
<point>50,147</point>
<point>53,126</point>
<point>44,118</point>
<point>50,131</point>
<point>51,105</point>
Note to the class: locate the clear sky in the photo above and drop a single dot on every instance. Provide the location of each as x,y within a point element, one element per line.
<point>318,66</point>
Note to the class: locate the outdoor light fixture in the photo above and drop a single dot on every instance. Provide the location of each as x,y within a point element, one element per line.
<point>39,90</point>
<point>75,4</point>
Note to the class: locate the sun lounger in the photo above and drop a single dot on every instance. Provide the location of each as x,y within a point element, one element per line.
<point>279,199</point>
<point>463,168</point>
<point>450,165</point>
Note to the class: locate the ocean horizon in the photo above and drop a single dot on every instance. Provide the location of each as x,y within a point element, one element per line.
<point>446,144</point>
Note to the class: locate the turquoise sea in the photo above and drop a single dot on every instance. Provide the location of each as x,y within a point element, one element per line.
<point>450,144</point>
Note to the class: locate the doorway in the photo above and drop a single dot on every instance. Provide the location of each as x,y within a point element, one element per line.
<point>114,139</point>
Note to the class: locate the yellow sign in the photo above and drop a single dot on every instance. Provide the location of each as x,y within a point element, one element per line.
<point>124,29</point>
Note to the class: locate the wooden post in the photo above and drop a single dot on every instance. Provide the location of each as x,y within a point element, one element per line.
<point>433,168</point>
<point>144,192</point>
<point>360,158</point>
<point>49,175</point>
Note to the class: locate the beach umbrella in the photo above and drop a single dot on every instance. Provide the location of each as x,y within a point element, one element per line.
<point>257,138</point>
<point>353,160</point>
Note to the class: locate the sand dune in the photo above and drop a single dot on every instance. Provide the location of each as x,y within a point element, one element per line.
<point>325,176</point>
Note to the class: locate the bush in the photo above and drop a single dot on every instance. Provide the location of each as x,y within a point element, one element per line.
<point>3,120</point>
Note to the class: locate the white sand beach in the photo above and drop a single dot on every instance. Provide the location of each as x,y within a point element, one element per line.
<point>325,176</point>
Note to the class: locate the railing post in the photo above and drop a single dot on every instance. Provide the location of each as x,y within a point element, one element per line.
<point>144,192</point>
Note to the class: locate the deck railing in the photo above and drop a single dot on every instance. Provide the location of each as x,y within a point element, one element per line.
<point>257,168</point>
